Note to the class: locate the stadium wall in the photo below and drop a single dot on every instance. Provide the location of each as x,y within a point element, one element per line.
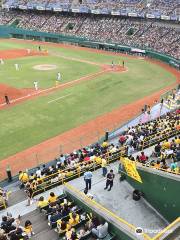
<point>160,189</point>
<point>12,32</point>
<point>119,227</point>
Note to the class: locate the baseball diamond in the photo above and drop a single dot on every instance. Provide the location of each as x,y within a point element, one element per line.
<point>89,119</point>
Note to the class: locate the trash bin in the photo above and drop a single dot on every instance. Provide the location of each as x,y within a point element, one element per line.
<point>136,195</point>
<point>9,176</point>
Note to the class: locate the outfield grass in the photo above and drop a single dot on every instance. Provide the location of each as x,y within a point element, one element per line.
<point>36,120</point>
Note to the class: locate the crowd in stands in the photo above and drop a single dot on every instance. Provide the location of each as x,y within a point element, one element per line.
<point>134,139</point>
<point>164,7</point>
<point>138,33</point>
<point>64,215</point>
<point>66,167</point>
<point>12,229</point>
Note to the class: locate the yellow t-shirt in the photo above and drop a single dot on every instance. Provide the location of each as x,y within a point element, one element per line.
<point>166,145</point>
<point>98,160</point>
<point>73,221</point>
<point>23,177</point>
<point>28,229</point>
<point>42,204</point>
<point>52,199</point>
<point>177,141</point>
<point>103,162</point>
<point>104,144</point>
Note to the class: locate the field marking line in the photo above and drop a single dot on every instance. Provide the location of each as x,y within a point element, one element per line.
<point>54,100</point>
<point>76,59</point>
<point>39,92</point>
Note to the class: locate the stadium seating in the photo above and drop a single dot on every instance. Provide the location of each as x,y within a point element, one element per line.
<point>73,217</point>
<point>134,139</point>
<point>128,31</point>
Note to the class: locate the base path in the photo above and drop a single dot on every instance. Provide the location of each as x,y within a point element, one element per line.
<point>19,95</point>
<point>12,92</point>
<point>82,135</point>
<point>19,53</point>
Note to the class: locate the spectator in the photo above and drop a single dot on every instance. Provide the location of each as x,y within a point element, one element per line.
<point>101,231</point>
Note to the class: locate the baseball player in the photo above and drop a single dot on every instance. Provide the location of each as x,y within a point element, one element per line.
<point>1,61</point>
<point>58,79</point>
<point>58,76</point>
<point>16,66</point>
<point>36,85</point>
<point>112,64</point>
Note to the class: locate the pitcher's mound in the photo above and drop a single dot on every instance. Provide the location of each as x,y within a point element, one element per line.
<point>45,67</point>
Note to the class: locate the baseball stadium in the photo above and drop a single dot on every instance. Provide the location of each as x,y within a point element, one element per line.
<point>89,119</point>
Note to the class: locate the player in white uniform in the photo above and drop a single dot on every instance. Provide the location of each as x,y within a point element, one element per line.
<point>59,76</point>
<point>16,66</point>
<point>1,61</point>
<point>58,79</point>
<point>36,85</point>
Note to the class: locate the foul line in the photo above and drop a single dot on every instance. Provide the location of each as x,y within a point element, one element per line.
<point>59,98</point>
<point>47,90</point>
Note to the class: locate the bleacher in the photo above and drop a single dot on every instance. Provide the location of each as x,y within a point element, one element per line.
<point>84,218</point>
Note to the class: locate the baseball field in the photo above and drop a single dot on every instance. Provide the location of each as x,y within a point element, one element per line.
<point>89,88</point>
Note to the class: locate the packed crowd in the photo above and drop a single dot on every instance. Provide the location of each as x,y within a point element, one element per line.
<point>66,166</point>
<point>134,139</point>
<point>137,33</point>
<point>165,7</point>
<point>12,229</point>
<point>64,215</point>
<point>167,155</point>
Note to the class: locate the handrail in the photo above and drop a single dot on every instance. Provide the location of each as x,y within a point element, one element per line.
<point>131,226</point>
<point>44,185</point>
<point>64,179</point>
<point>64,170</point>
<point>157,237</point>
<point>162,169</point>
<point>92,203</point>
<point>174,132</point>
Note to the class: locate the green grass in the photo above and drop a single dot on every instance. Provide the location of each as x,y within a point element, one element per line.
<point>36,120</point>
<point>27,75</point>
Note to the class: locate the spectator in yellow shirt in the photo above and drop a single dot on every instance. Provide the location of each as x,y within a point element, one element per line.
<point>28,228</point>
<point>177,140</point>
<point>98,159</point>
<point>74,219</point>
<point>42,202</point>
<point>104,166</point>
<point>104,144</point>
<point>52,198</point>
<point>23,178</point>
<point>166,144</point>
